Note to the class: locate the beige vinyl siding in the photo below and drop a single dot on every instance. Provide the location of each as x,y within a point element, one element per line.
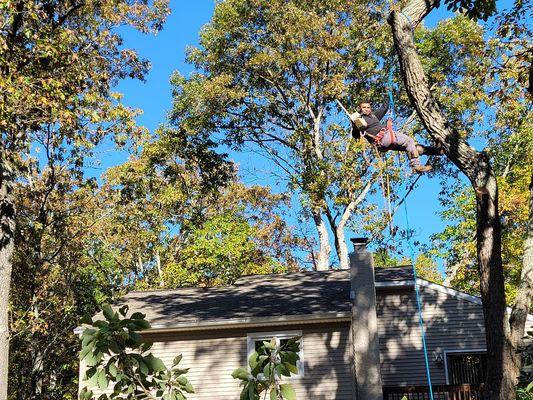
<point>213,355</point>
<point>450,323</point>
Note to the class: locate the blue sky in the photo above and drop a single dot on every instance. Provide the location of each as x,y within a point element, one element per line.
<point>166,52</point>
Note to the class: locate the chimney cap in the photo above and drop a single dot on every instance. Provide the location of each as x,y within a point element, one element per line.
<point>359,241</point>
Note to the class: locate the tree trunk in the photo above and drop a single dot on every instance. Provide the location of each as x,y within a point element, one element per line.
<point>476,166</point>
<point>342,248</point>
<point>323,237</point>
<point>7,234</point>
<point>36,356</point>
<point>525,290</point>
<point>159,269</point>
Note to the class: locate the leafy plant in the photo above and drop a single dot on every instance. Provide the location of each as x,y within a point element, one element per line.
<point>116,354</point>
<point>272,360</point>
<point>525,382</point>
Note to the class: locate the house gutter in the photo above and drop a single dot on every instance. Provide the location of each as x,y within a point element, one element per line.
<point>234,323</point>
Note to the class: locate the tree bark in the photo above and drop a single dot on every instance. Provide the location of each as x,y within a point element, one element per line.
<point>159,269</point>
<point>525,290</point>
<point>7,235</point>
<point>342,250</point>
<point>323,237</point>
<point>476,166</point>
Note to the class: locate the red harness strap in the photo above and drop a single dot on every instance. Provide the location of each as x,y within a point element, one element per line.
<point>382,133</point>
<point>391,132</point>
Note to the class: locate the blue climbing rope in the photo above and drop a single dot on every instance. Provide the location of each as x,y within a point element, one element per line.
<point>418,303</point>
<point>391,97</point>
<point>418,299</point>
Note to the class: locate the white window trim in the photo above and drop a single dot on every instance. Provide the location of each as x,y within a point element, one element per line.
<point>451,351</point>
<point>251,338</point>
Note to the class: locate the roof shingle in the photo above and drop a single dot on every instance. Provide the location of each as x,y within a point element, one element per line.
<point>258,296</point>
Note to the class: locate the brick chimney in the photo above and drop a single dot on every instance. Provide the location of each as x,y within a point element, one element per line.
<point>364,326</point>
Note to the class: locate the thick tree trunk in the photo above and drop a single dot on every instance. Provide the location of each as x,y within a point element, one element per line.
<point>476,166</point>
<point>7,233</point>
<point>339,239</point>
<point>342,250</point>
<point>525,290</point>
<point>323,237</point>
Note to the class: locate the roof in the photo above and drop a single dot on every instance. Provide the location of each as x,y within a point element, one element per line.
<point>301,296</point>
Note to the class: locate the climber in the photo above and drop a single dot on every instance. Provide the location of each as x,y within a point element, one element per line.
<point>368,124</point>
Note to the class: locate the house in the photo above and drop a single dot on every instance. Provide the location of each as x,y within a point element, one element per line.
<point>360,330</point>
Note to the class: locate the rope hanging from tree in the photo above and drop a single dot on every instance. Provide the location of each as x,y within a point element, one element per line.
<point>390,212</point>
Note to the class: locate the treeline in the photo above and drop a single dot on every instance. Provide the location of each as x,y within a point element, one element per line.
<point>267,78</point>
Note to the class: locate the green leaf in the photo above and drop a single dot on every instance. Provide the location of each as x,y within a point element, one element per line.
<point>103,383</point>
<point>240,373</point>
<point>287,392</point>
<point>146,346</point>
<point>108,312</point>
<point>93,380</point>
<point>143,368</point>
<point>90,359</point>
<point>253,360</point>
<point>251,391</point>
<point>141,324</point>
<point>86,319</point>
<point>154,363</point>
<point>189,388</point>
<point>292,368</point>
<point>112,370</point>
<point>177,360</point>
<point>267,370</point>
<point>138,315</point>
<point>274,394</point>
<point>114,347</point>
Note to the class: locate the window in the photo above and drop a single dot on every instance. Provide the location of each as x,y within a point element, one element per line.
<point>254,340</point>
<point>466,367</point>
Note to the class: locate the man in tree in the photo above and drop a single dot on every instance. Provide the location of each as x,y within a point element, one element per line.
<point>370,126</point>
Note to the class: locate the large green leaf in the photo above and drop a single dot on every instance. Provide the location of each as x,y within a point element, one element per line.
<point>108,312</point>
<point>189,388</point>
<point>287,392</point>
<point>154,363</point>
<point>103,382</point>
<point>240,373</point>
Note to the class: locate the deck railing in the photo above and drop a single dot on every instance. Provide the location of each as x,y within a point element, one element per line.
<point>440,392</point>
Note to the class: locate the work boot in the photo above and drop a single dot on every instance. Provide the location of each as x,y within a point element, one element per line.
<point>420,169</point>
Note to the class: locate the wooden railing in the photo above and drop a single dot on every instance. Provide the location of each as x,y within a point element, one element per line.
<point>440,392</point>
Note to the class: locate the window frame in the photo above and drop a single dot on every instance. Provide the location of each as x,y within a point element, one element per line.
<point>447,352</point>
<point>253,337</point>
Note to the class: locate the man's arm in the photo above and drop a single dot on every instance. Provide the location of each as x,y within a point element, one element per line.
<point>380,112</point>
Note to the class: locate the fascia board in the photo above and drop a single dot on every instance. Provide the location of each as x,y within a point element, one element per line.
<point>246,322</point>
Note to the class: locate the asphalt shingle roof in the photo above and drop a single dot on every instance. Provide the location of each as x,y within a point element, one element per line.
<point>259,296</point>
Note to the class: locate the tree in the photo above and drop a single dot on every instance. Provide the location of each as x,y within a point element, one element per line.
<point>268,77</point>
<point>55,281</point>
<point>170,226</point>
<point>502,357</point>
<point>426,268</point>
<point>58,64</point>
